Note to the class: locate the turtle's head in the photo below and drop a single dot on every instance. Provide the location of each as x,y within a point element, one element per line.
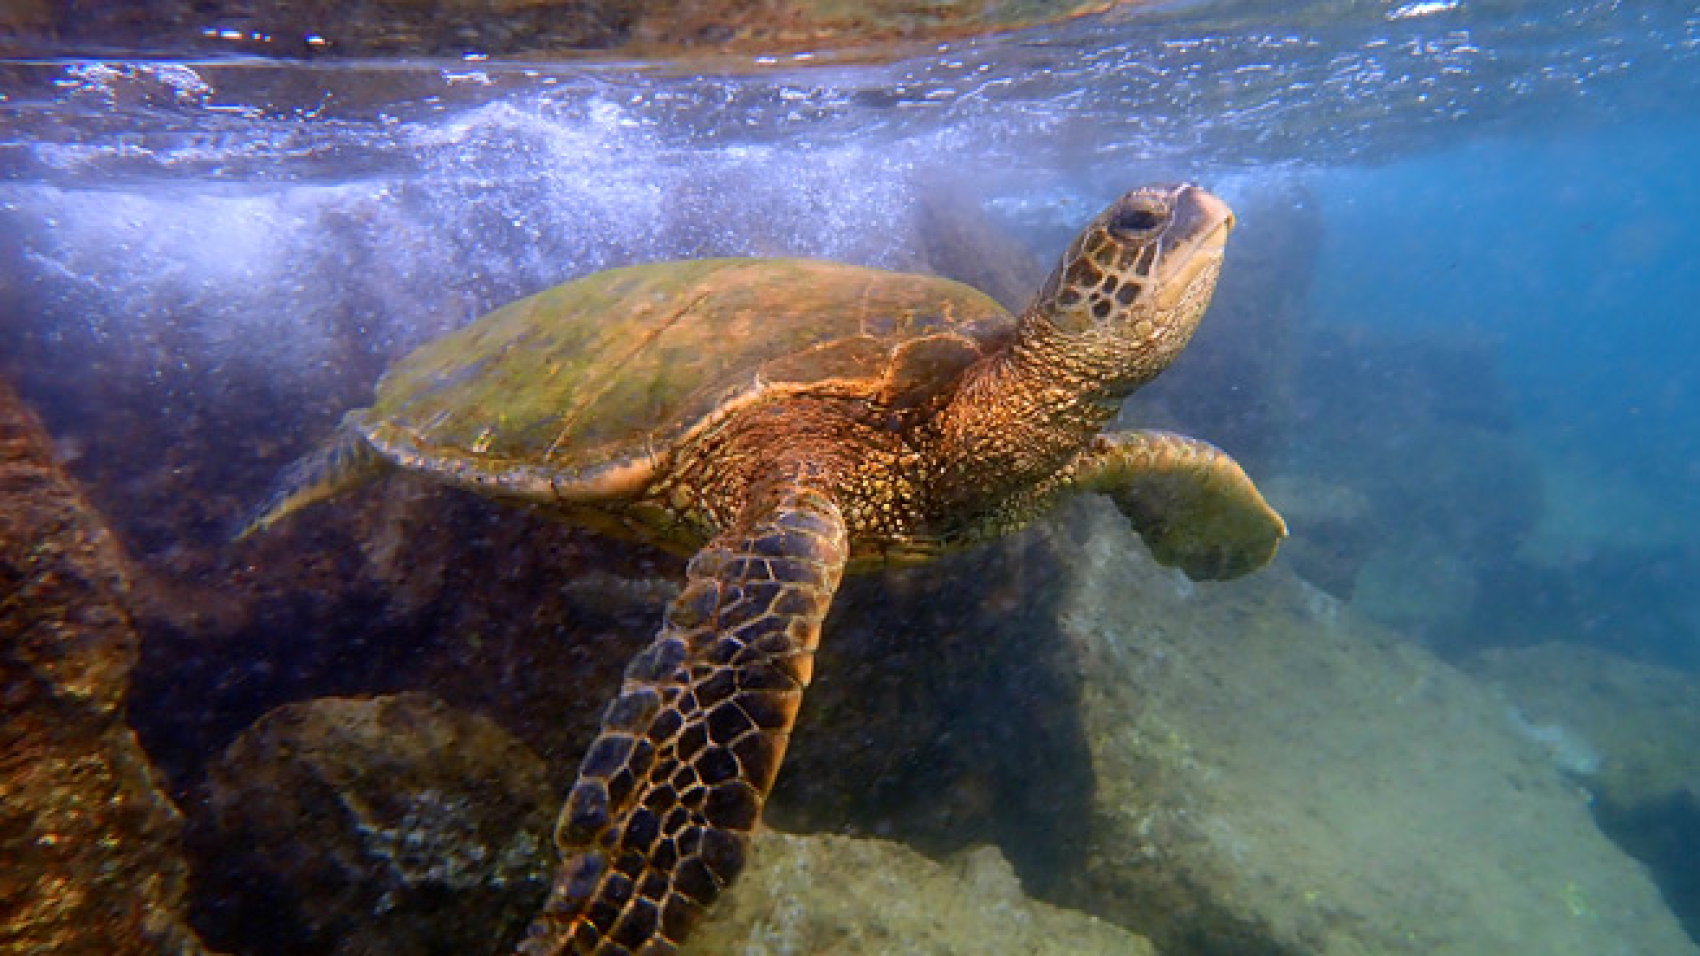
<point>1131,288</point>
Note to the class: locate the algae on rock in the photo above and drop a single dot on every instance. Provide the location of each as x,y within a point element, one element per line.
<point>380,826</point>
<point>1276,774</point>
<point>1626,731</point>
<point>376,825</point>
<point>843,896</point>
<point>1643,720</point>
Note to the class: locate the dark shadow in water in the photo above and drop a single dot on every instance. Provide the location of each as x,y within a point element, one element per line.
<point>1665,835</point>
<point>945,712</point>
<point>1634,602</point>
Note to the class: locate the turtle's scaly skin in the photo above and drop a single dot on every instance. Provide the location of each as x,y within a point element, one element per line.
<point>693,742</point>
<point>787,420</point>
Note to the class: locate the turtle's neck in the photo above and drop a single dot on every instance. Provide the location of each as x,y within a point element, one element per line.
<point>1020,415</point>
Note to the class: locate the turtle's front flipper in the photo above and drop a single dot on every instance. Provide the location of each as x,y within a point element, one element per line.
<point>1193,505</point>
<point>660,817</point>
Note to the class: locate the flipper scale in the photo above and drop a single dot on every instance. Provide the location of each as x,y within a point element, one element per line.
<point>1194,506</point>
<point>658,822</point>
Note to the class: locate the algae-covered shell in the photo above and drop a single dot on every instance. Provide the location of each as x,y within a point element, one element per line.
<point>589,382</point>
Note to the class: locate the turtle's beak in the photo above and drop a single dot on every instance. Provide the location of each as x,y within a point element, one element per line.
<point>1212,215</point>
<point>1195,241</point>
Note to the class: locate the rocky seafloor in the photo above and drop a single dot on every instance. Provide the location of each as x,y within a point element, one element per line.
<point>1050,745</point>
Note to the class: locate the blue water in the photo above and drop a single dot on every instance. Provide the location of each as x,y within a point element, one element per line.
<point>1490,212</point>
<point>1571,252</point>
<point>1570,257</point>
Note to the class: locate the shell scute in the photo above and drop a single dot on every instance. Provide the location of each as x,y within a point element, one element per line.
<point>599,376</point>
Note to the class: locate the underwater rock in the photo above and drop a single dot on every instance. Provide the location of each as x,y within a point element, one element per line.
<point>380,825</point>
<point>397,825</point>
<point>93,862</point>
<point>1625,731</point>
<point>1278,775</point>
<point>1640,721</point>
<point>1338,529</point>
<point>841,896</point>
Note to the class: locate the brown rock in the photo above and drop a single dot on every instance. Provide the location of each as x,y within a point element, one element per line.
<point>89,840</point>
<point>376,825</point>
<point>397,825</point>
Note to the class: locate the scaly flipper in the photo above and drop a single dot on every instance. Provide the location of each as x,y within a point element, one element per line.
<point>1193,505</point>
<point>659,819</point>
<point>344,462</point>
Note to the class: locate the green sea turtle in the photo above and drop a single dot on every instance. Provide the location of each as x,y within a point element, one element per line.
<point>784,420</point>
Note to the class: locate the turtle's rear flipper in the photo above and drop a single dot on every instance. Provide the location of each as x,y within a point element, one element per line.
<point>344,462</point>
<point>659,820</point>
<point>1193,505</point>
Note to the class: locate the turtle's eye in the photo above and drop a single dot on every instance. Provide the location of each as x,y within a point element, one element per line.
<point>1136,222</point>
